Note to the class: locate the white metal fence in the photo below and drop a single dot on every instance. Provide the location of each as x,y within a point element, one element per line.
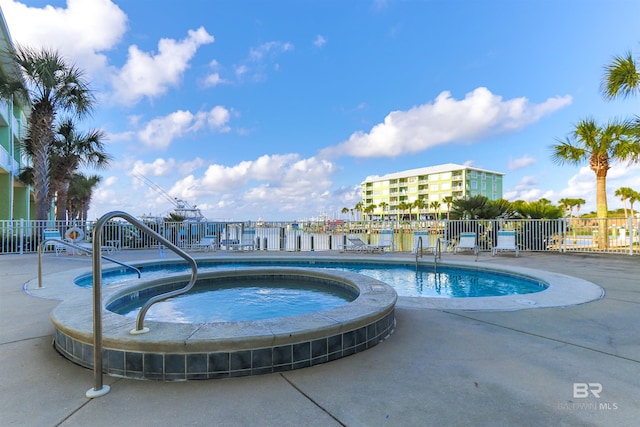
<point>563,235</point>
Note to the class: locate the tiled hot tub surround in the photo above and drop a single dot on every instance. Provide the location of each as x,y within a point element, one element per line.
<point>220,350</point>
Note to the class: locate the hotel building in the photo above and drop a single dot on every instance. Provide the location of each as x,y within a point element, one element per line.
<point>432,183</point>
<point>16,198</point>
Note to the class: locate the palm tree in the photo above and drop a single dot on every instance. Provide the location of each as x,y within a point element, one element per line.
<point>599,146</point>
<point>578,204</point>
<point>448,200</point>
<point>621,77</point>
<point>80,193</point>
<point>53,85</point>
<point>402,206</point>
<point>634,196</point>
<point>435,205</point>
<point>565,203</point>
<point>358,207</point>
<point>624,193</point>
<point>419,204</point>
<point>383,206</point>
<point>71,150</point>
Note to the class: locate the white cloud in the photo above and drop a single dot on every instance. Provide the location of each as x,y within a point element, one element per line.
<point>283,183</point>
<point>81,31</point>
<point>319,41</point>
<point>165,167</point>
<point>445,120</point>
<point>521,162</point>
<point>161,131</point>
<point>150,75</point>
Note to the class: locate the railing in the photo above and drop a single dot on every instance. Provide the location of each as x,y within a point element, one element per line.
<point>561,235</point>
<point>75,247</point>
<point>99,388</point>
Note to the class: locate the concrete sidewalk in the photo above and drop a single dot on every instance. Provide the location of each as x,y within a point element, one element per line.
<point>440,367</point>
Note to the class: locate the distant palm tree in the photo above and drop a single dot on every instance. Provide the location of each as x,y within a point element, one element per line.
<point>624,193</point>
<point>599,146</point>
<point>578,204</point>
<point>402,206</point>
<point>419,204</point>
<point>621,77</point>
<point>80,192</point>
<point>53,86</point>
<point>358,207</point>
<point>71,150</point>
<point>435,205</point>
<point>448,200</point>
<point>565,203</point>
<point>383,207</point>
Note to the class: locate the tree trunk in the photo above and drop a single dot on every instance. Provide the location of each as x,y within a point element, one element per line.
<point>602,210</point>
<point>62,200</point>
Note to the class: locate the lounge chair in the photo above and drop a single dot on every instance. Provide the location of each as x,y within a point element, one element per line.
<point>207,243</point>
<point>358,245</point>
<point>506,242</point>
<point>385,241</point>
<point>467,241</point>
<point>247,241</point>
<point>57,247</point>
<point>421,240</point>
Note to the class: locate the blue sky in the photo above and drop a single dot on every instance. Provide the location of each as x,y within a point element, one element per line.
<point>280,109</point>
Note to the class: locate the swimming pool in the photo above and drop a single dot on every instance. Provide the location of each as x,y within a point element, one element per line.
<point>235,299</point>
<point>446,282</point>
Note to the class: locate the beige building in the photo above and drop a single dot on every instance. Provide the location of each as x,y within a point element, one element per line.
<point>429,184</point>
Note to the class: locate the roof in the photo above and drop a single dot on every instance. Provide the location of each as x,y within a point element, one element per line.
<point>447,167</point>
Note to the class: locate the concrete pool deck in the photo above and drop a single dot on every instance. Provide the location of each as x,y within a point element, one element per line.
<point>440,367</point>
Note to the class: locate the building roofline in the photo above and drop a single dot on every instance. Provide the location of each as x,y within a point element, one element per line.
<point>447,167</point>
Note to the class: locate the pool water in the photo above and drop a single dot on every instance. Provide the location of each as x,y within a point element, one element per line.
<point>264,298</point>
<point>447,282</point>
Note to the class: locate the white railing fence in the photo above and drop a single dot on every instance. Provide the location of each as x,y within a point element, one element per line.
<point>562,235</point>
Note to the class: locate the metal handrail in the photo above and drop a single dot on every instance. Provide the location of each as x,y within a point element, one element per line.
<point>418,253</point>
<point>437,254</point>
<point>80,248</point>
<point>99,388</point>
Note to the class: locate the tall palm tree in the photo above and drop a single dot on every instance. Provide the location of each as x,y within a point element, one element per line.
<point>383,207</point>
<point>621,77</point>
<point>599,146</point>
<point>447,200</point>
<point>53,85</point>
<point>624,193</point>
<point>80,192</point>
<point>72,149</point>
<point>565,203</point>
<point>578,205</point>
<point>435,205</point>
<point>419,204</point>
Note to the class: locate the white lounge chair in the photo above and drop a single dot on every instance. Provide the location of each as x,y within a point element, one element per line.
<point>208,243</point>
<point>467,241</point>
<point>247,241</point>
<point>385,241</point>
<point>506,242</point>
<point>57,247</point>
<point>422,238</point>
<point>355,244</point>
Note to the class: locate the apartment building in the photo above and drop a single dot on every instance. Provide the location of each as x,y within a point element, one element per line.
<point>430,184</point>
<point>16,198</point>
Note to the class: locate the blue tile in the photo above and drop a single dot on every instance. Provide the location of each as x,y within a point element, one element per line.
<point>133,362</point>
<point>197,363</point>
<point>261,358</point>
<point>174,363</point>
<point>240,360</point>
<point>301,351</point>
<point>153,363</point>
<point>218,362</point>
<point>282,355</point>
<point>319,348</point>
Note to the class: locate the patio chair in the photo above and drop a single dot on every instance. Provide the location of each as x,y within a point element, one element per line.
<point>423,236</point>
<point>506,242</point>
<point>247,241</point>
<point>467,241</point>
<point>57,247</point>
<point>385,241</point>
<point>207,243</point>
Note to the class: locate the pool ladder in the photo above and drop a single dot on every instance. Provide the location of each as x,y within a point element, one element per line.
<point>437,252</point>
<point>99,388</point>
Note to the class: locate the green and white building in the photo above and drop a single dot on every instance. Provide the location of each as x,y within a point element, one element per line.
<point>430,184</point>
<point>16,198</point>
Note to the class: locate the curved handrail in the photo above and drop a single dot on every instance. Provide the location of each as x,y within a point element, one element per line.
<point>99,388</point>
<point>437,253</point>
<point>80,248</point>
<point>418,253</point>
